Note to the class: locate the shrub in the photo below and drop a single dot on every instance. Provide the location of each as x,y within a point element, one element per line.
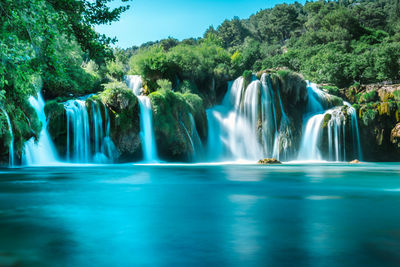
<point>396,95</point>
<point>368,97</point>
<point>164,84</point>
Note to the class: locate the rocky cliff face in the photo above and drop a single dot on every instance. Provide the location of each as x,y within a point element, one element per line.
<point>378,108</point>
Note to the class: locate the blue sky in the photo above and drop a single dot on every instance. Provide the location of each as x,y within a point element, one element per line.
<point>151,20</point>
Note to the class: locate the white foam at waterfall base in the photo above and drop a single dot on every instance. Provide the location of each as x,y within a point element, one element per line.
<point>11,145</point>
<point>41,152</point>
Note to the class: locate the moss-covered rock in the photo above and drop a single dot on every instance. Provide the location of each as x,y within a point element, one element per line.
<point>269,161</point>
<point>378,130</point>
<point>327,118</point>
<point>172,124</point>
<point>123,109</point>
<point>25,125</point>
<point>57,124</point>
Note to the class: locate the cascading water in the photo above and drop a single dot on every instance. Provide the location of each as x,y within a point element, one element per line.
<point>245,126</point>
<point>147,137</point>
<point>333,121</point>
<point>87,139</point>
<point>135,83</point>
<point>198,152</point>
<point>355,131</point>
<point>78,133</point>
<point>11,145</point>
<point>147,132</point>
<point>42,152</point>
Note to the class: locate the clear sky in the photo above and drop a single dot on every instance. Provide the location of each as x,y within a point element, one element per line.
<point>151,20</point>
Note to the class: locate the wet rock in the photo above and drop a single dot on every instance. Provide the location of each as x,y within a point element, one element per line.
<point>355,161</point>
<point>269,161</point>
<point>395,134</point>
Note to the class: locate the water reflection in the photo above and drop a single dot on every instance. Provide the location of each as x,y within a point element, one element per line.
<point>200,215</point>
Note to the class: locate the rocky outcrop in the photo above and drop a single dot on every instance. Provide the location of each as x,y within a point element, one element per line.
<point>395,135</point>
<point>269,161</point>
<point>25,125</point>
<point>378,112</point>
<point>172,125</point>
<point>123,109</point>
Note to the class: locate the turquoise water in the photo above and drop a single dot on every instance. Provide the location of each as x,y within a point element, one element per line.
<point>191,215</point>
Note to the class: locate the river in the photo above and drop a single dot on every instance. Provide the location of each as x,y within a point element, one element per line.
<point>190,215</point>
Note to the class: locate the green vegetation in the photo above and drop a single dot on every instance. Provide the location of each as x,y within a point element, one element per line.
<point>50,45</point>
<point>370,96</point>
<point>341,43</point>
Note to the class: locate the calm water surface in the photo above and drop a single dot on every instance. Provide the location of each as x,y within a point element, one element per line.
<point>229,215</point>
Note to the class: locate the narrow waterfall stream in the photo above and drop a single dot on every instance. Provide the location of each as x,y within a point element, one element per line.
<point>147,137</point>
<point>78,133</point>
<point>43,151</point>
<point>146,130</point>
<point>11,145</point>
<point>198,153</point>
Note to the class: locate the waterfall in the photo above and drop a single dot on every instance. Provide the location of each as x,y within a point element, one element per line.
<point>135,83</point>
<point>355,131</point>
<point>252,123</point>
<point>87,139</point>
<point>43,151</point>
<point>334,143</point>
<point>245,126</point>
<point>312,135</point>
<point>315,95</point>
<point>147,137</point>
<point>11,145</point>
<point>147,133</point>
<point>196,141</point>
<point>78,133</point>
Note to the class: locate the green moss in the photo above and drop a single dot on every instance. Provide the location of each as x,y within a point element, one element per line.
<point>356,106</point>
<point>187,87</point>
<point>384,108</point>
<point>335,101</point>
<point>333,90</point>
<point>368,97</point>
<point>164,84</point>
<point>118,97</point>
<point>284,73</point>
<point>171,117</point>
<point>368,115</point>
<point>396,95</point>
<point>327,118</point>
<point>53,108</point>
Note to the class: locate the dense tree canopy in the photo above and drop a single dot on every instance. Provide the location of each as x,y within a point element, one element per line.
<point>337,42</point>
<point>47,41</point>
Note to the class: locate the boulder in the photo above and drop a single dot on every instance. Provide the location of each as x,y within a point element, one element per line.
<point>355,161</point>
<point>395,134</point>
<point>269,161</point>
